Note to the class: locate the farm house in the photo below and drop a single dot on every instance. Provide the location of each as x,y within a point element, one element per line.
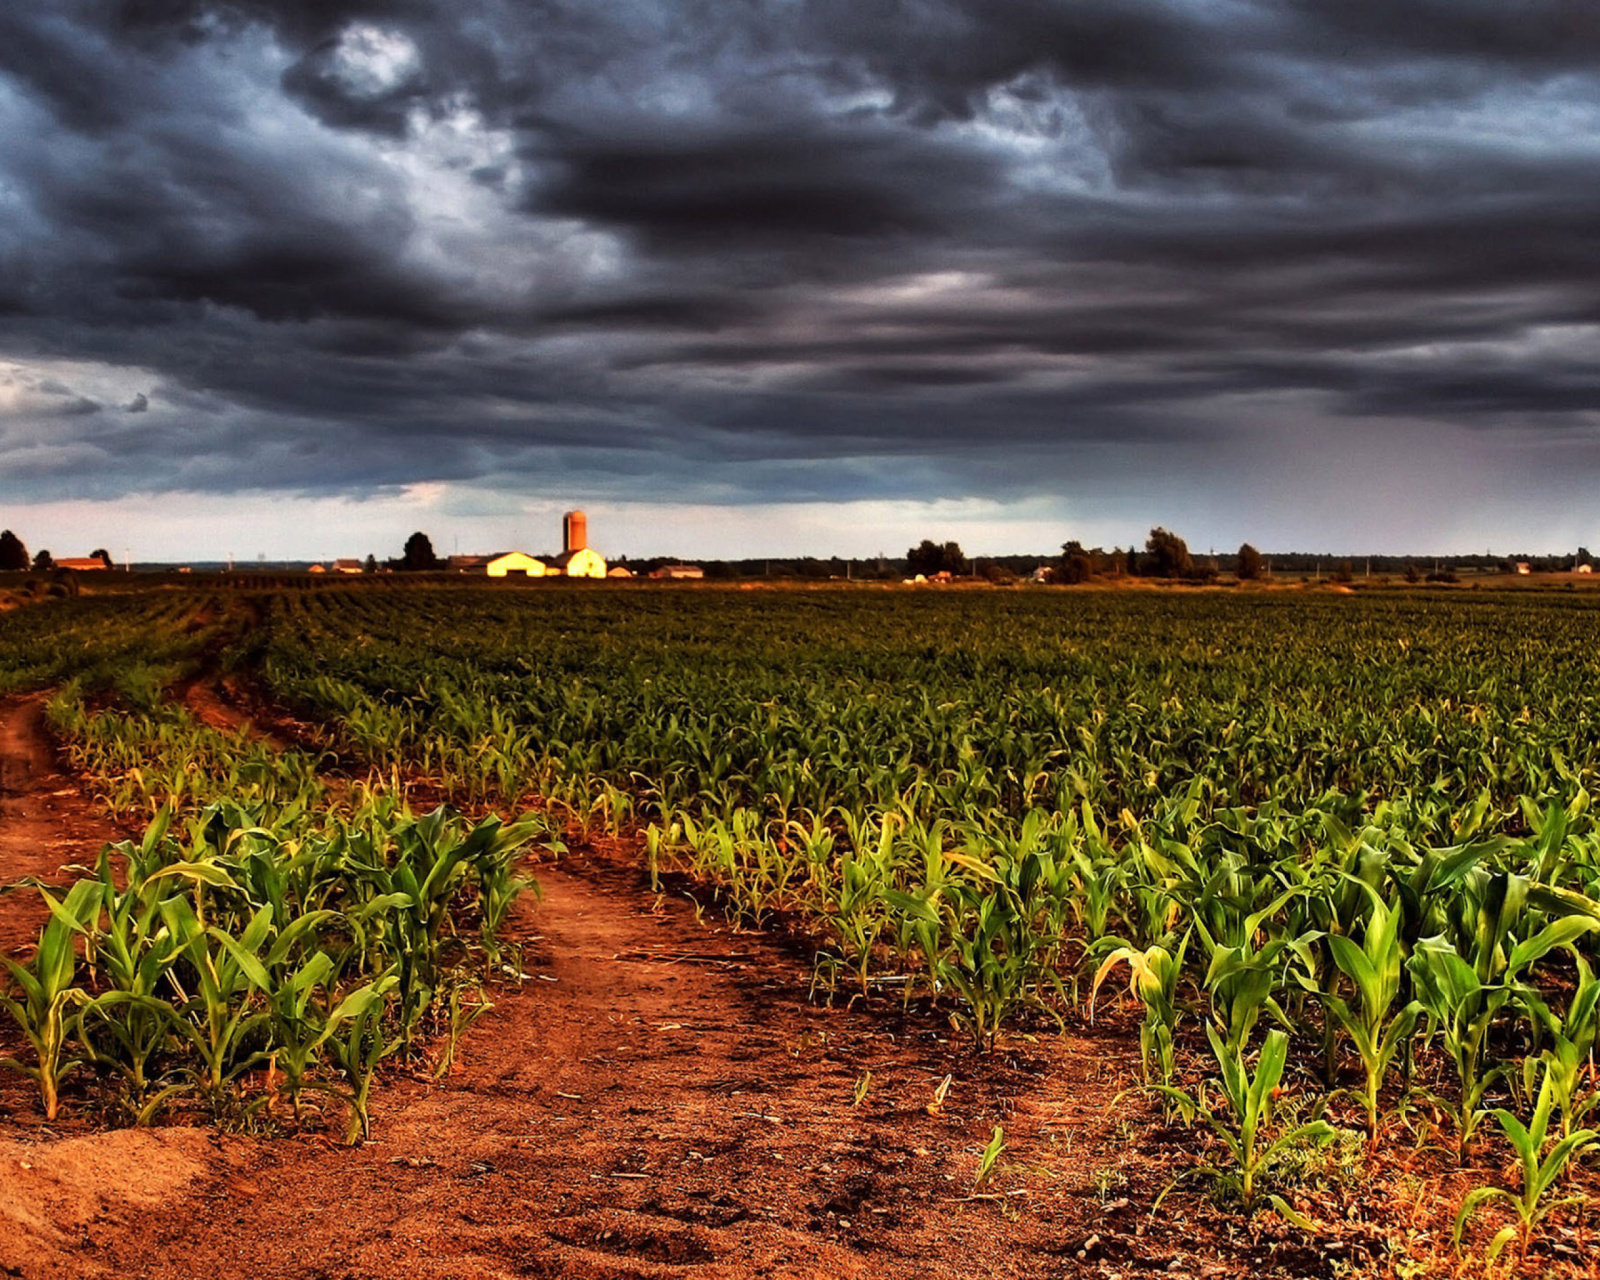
<point>518,563</point>
<point>582,562</point>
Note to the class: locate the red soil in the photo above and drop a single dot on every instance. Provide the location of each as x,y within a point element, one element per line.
<point>215,703</point>
<point>47,825</point>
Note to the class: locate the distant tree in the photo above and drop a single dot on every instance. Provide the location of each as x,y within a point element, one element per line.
<point>13,555</point>
<point>419,553</point>
<point>923,558</point>
<point>1413,574</point>
<point>44,562</point>
<point>1344,571</point>
<point>1168,555</point>
<point>103,556</point>
<point>1077,564</point>
<point>1249,566</point>
<point>372,564</point>
<point>930,558</point>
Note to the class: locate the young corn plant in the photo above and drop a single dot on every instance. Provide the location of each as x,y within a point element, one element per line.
<point>406,918</point>
<point>1569,1061</point>
<point>499,888</point>
<point>48,993</point>
<point>296,1029</point>
<point>1243,979</point>
<point>858,909</point>
<point>128,1026</point>
<point>1540,1171</point>
<point>219,1019</point>
<point>989,1161</point>
<point>987,968</point>
<point>1153,977</point>
<point>1242,1129</point>
<point>1462,1008</point>
<point>1001,955</point>
<point>1374,969</point>
<point>356,1043</point>
<point>466,1003</point>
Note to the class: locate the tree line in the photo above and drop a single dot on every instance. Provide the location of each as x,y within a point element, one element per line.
<point>14,556</point>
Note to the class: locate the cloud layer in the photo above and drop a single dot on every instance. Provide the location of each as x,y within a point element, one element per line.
<point>798,250</point>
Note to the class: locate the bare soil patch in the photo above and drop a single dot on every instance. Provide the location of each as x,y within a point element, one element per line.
<point>216,703</point>
<point>48,823</point>
<point>56,1195</point>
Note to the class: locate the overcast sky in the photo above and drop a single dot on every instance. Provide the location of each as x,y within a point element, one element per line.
<point>761,277</point>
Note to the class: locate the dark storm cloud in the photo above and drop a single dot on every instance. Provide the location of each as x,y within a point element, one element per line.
<point>356,244</point>
<point>775,188</point>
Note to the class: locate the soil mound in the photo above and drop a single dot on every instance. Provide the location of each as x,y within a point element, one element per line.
<point>54,1196</point>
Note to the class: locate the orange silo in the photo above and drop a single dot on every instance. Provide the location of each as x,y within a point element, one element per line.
<point>575,531</point>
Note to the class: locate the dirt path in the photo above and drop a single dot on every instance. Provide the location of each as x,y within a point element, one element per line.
<point>46,823</point>
<point>215,702</point>
<point>661,1100</point>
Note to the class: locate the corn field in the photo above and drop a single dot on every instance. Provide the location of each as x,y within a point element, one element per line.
<point>1338,853</point>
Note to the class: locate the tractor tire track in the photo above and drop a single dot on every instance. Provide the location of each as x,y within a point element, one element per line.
<point>48,822</point>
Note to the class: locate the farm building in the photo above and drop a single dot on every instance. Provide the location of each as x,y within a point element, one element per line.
<point>574,531</point>
<point>1584,568</point>
<point>678,571</point>
<point>515,562</point>
<point>619,571</point>
<point>81,564</point>
<point>347,566</point>
<point>581,562</point>
<point>577,559</point>
<point>1523,567</point>
<point>317,568</point>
